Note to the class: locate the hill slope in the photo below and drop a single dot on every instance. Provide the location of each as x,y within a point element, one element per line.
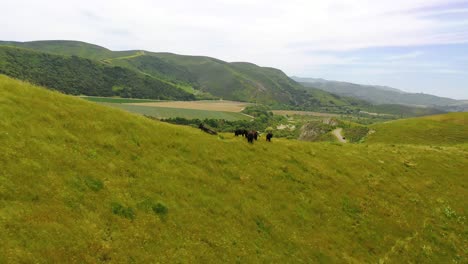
<point>378,94</point>
<point>231,81</point>
<point>81,182</point>
<point>75,75</point>
<point>431,130</point>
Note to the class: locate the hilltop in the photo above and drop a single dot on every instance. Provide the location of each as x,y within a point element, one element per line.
<point>382,95</point>
<point>81,182</point>
<point>202,76</point>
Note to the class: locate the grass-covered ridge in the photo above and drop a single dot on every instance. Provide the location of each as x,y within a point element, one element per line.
<point>80,182</point>
<point>204,77</point>
<point>76,75</point>
<point>445,129</point>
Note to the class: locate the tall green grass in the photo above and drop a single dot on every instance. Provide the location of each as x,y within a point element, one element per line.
<point>84,183</point>
<point>445,129</point>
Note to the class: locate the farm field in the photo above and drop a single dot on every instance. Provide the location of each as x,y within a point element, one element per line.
<point>225,106</point>
<point>171,112</point>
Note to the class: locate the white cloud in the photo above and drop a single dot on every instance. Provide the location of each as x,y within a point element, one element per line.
<point>291,35</point>
<point>410,55</point>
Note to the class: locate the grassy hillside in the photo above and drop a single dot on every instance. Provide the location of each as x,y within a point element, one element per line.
<point>75,75</point>
<point>431,130</point>
<point>65,47</point>
<point>206,77</point>
<point>80,182</point>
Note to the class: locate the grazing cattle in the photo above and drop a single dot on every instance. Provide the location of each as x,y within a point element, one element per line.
<point>250,136</point>
<point>207,130</point>
<point>269,136</point>
<point>255,135</point>
<point>242,132</point>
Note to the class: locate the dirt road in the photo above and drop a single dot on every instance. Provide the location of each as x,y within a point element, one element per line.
<point>338,135</point>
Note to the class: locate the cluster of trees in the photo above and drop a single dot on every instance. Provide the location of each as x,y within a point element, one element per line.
<point>264,119</point>
<point>75,75</point>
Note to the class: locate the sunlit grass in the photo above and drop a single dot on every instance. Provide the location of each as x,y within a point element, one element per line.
<point>81,182</point>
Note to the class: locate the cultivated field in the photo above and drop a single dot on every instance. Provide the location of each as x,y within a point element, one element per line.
<point>225,106</point>
<point>169,112</point>
<point>227,110</point>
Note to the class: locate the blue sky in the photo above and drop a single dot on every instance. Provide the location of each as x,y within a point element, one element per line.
<point>435,69</point>
<point>413,45</point>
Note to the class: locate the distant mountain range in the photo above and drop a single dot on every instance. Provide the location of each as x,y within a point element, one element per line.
<point>383,94</point>
<point>45,62</point>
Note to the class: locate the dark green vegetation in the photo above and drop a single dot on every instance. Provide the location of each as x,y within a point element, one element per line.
<point>83,183</point>
<point>203,77</point>
<point>263,119</point>
<point>431,130</point>
<point>75,75</point>
<point>382,95</point>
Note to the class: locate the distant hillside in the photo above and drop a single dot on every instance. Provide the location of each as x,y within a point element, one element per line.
<point>83,183</point>
<point>205,75</point>
<point>378,94</point>
<point>76,75</point>
<point>430,130</point>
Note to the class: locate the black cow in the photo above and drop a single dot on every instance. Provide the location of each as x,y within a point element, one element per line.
<point>255,135</point>
<point>250,136</point>
<point>242,132</point>
<point>269,136</point>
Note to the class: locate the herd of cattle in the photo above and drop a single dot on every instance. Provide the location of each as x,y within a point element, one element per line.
<point>250,135</point>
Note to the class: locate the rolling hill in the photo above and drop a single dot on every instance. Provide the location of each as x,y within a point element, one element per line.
<point>80,182</point>
<point>382,94</point>
<point>76,75</point>
<point>445,129</point>
<point>209,76</point>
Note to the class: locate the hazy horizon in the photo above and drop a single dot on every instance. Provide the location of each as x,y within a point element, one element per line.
<point>416,46</point>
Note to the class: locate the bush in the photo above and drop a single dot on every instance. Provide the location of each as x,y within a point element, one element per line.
<point>120,210</point>
<point>160,209</point>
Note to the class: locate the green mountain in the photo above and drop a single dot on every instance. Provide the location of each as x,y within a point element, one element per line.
<point>83,183</point>
<point>382,94</point>
<point>76,75</point>
<point>206,76</point>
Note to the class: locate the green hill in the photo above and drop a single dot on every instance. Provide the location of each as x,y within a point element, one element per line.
<point>430,130</point>
<point>76,75</point>
<point>83,183</point>
<point>205,76</point>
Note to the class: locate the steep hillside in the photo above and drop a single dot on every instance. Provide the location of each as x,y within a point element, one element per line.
<point>205,76</point>
<point>376,94</point>
<point>431,130</point>
<point>75,75</point>
<point>81,182</point>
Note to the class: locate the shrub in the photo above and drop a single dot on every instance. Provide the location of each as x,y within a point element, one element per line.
<point>94,184</point>
<point>120,210</point>
<point>160,209</point>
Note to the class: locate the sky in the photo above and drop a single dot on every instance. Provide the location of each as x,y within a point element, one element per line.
<point>413,45</point>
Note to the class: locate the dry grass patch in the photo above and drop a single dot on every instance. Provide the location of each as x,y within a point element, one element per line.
<point>225,106</point>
